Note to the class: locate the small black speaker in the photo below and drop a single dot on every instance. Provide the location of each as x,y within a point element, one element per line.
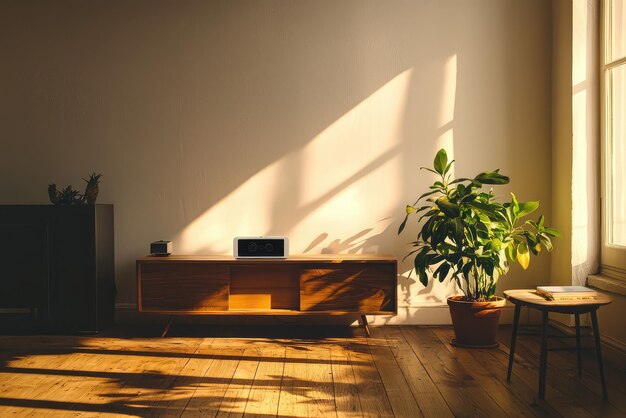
<point>161,248</point>
<point>261,247</point>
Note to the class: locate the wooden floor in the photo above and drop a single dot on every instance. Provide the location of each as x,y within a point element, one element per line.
<point>399,371</point>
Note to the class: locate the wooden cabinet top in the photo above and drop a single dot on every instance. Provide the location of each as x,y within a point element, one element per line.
<point>319,258</point>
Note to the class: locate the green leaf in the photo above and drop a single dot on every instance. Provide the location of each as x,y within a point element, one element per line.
<point>526,208</point>
<point>434,259</point>
<point>403,224</point>
<point>459,180</point>
<point>429,169</point>
<point>448,167</point>
<point>545,240</point>
<point>450,209</point>
<point>523,255</point>
<point>409,210</point>
<point>491,290</point>
<point>426,194</point>
<point>458,231</point>
<point>514,208</point>
<point>431,212</point>
<point>420,257</point>
<point>491,177</point>
<point>484,219</point>
<point>511,250</point>
<point>427,229</point>
<point>495,244</point>
<point>439,234</point>
<point>466,270</point>
<point>531,241</point>
<point>509,216</point>
<point>423,276</point>
<point>410,253</point>
<point>533,224</point>
<point>442,272</point>
<point>486,208</point>
<point>488,267</point>
<point>553,232</point>
<point>441,161</point>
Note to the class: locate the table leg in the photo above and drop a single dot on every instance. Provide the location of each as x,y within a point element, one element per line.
<point>596,334</point>
<point>167,327</point>
<point>513,338</point>
<point>578,350</point>
<point>364,323</point>
<point>543,363</point>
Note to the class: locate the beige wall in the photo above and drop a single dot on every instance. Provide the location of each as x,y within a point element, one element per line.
<point>562,132</point>
<point>307,119</point>
<point>576,139</point>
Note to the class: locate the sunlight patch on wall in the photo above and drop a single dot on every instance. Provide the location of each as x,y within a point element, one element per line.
<point>369,130</point>
<point>244,211</point>
<point>333,195</point>
<point>446,109</point>
<point>579,180</point>
<point>353,218</point>
<point>448,91</point>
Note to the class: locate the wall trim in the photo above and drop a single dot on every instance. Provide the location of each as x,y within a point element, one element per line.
<point>613,350</point>
<point>608,284</point>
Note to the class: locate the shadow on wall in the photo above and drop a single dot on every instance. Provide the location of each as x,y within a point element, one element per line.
<point>339,143</point>
<point>217,119</point>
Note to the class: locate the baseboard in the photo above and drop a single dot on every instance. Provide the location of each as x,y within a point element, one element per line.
<point>613,350</point>
<point>126,313</point>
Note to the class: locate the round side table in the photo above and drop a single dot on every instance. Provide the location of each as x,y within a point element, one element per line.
<point>530,298</point>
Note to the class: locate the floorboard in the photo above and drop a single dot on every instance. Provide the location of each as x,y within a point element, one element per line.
<point>236,395</point>
<point>408,371</point>
<point>401,399</point>
<point>345,391</point>
<point>425,392</point>
<point>294,392</point>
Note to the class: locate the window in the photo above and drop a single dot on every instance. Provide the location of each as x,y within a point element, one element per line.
<point>613,96</point>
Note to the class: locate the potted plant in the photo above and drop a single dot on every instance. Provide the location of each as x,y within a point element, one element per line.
<point>470,238</point>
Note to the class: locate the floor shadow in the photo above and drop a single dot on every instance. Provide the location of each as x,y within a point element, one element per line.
<point>156,392</point>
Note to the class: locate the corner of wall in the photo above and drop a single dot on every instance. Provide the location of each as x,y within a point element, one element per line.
<point>561,121</point>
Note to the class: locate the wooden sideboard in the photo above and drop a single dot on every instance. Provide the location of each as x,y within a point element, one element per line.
<point>299,285</point>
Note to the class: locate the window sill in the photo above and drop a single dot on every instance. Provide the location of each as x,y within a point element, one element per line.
<point>607,284</point>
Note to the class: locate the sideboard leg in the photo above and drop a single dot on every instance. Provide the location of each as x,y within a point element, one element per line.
<point>167,327</point>
<point>364,323</point>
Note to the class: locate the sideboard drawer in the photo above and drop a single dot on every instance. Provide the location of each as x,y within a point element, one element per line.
<point>356,288</point>
<point>183,287</point>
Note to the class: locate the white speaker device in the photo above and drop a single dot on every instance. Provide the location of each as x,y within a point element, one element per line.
<point>261,247</point>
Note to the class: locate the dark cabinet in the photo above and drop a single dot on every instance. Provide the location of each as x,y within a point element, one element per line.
<point>56,268</point>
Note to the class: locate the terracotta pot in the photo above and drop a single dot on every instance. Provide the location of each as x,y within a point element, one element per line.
<point>475,323</point>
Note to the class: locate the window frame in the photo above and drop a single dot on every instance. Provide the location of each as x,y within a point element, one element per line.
<point>612,257</point>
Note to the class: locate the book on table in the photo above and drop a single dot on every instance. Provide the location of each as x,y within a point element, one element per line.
<point>566,292</point>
